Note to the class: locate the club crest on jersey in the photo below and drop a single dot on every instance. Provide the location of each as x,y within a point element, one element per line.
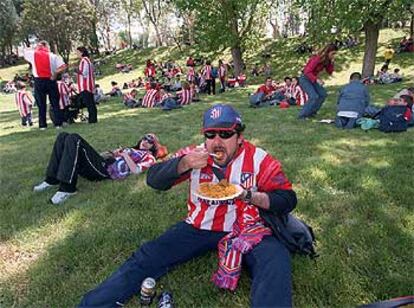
<point>246,180</point>
<point>206,176</point>
<point>215,113</point>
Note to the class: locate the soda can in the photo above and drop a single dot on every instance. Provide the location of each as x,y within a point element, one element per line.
<point>147,291</point>
<point>165,300</point>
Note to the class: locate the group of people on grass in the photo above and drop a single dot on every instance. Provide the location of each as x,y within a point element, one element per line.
<point>49,80</point>
<point>237,223</point>
<point>353,100</point>
<point>235,227</point>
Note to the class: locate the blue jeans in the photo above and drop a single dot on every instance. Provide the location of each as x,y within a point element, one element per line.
<point>268,263</point>
<point>316,96</point>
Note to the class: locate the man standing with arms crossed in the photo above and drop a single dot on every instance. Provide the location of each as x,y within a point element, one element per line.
<point>46,66</point>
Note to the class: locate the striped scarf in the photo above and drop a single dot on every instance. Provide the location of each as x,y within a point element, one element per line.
<point>230,250</point>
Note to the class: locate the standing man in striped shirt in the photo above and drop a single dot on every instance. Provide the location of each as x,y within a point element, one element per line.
<point>86,83</point>
<point>207,73</point>
<point>46,66</point>
<point>265,188</point>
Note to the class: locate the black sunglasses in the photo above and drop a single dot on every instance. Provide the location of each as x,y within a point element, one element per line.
<point>223,134</point>
<point>149,139</point>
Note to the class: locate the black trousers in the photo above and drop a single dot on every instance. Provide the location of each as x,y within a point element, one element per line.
<point>42,88</point>
<point>73,156</point>
<point>211,86</point>
<point>88,100</point>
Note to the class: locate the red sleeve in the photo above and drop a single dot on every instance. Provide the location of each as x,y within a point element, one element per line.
<point>310,70</point>
<point>329,68</point>
<point>408,114</point>
<point>262,89</point>
<point>271,177</point>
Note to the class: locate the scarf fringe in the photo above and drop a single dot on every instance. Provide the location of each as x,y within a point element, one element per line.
<point>225,281</point>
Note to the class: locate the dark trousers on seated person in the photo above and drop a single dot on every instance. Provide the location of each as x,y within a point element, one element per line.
<point>268,264</point>
<point>73,156</point>
<point>88,100</point>
<point>316,96</point>
<point>344,122</point>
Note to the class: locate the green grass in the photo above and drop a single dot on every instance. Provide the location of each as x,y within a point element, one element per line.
<point>355,188</point>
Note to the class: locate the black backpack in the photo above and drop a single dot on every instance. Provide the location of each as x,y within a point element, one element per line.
<point>392,119</point>
<point>294,233</point>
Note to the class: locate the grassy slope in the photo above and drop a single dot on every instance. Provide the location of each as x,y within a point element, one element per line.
<point>353,187</point>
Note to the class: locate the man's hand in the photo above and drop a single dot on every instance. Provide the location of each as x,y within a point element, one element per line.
<point>196,159</point>
<point>320,81</point>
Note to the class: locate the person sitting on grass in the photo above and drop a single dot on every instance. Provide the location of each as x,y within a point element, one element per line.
<point>130,100</point>
<point>73,156</point>
<point>286,91</point>
<point>384,77</point>
<point>185,96</point>
<point>151,97</point>
<point>353,99</point>
<point>24,104</point>
<point>267,88</point>
<point>115,91</point>
<point>98,95</point>
<point>265,191</point>
<point>176,86</point>
<point>299,95</point>
<point>396,75</point>
<point>195,90</point>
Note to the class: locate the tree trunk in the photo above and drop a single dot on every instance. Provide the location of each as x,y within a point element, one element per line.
<point>237,56</point>
<point>412,25</point>
<point>129,31</point>
<point>157,36</point>
<point>275,30</point>
<point>371,45</point>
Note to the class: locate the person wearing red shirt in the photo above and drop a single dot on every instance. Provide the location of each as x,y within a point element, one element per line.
<point>46,66</point>
<point>86,83</point>
<point>267,89</point>
<point>264,189</point>
<point>310,82</point>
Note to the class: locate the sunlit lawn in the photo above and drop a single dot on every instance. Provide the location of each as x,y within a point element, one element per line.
<point>355,188</point>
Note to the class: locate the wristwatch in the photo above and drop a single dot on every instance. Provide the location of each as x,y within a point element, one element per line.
<point>248,196</point>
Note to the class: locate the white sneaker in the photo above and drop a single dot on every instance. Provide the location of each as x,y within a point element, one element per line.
<point>42,186</point>
<point>59,197</point>
<point>43,128</point>
<point>58,127</point>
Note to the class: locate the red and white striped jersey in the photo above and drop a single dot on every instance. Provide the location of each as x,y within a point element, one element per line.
<point>86,78</point>
<point>44,63</point>
<point>150,71</point>
<point>128,97</point>
<point>222,71</point>
<point>252,168</point>
<point>23,102</point>
<point>207,72</point>
<point>185,97</point>
<point>190,74</point>
<point>150,98</point>
<point>300,95</point>
<point>288,90</point>
<point>64,93</point>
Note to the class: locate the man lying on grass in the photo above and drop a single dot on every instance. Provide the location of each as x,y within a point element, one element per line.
<point>233,226</point>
